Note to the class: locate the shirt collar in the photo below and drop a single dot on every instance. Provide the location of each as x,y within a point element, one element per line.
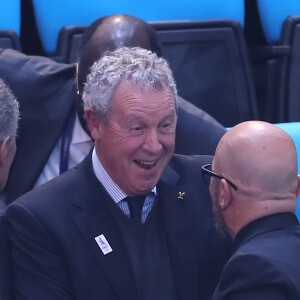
<point>116,193</point>
<point>264,224</point>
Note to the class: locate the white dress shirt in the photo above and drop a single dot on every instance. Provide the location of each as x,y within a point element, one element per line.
<point>80,146</point>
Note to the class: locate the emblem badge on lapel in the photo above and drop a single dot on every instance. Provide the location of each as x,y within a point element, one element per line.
<point>103,244</point>
<point>181,195</point>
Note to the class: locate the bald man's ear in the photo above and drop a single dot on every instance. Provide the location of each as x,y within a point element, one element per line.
<point>298,187</point>
<point>225,194</point>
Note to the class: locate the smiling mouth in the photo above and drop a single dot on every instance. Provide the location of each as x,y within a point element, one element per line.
<point>145,164</point>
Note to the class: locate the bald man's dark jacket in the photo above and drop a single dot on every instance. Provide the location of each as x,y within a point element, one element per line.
<point>53,228</point>
<point>46,92</point>
<point>265,261</point>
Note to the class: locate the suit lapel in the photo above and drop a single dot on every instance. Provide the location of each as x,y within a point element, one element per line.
<point>93,218</point>
<point>179,231</point>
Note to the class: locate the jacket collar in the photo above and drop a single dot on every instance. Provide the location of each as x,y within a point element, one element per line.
<point>262,225</point>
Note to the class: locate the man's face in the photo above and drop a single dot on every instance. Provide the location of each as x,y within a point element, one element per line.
<point>139,139</point>
<point>214,190</point>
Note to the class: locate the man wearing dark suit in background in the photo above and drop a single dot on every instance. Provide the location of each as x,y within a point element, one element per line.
<point>81,236</point>
<point>9,116</point>
<point>47,96</point>
<point>254,188</point>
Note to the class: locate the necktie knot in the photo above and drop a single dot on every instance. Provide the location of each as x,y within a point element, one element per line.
<point>136,204</point>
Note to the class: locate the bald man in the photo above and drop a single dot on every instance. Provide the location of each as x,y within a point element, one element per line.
<point>254,188</point>
<point>53,136</point>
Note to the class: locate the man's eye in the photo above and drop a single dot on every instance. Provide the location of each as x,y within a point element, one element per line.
<point>136,129</point>
<point>166,125</point>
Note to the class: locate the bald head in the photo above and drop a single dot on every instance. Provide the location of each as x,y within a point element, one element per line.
<point>110,33</point>
<point>261,160</point>
<point>259,156</point>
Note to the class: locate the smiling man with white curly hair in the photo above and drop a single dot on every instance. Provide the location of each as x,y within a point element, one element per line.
<point>132,221</point>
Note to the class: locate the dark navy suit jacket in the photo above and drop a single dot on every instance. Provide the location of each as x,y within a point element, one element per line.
<point>53,228</point>
<point>46,92</point>
<point>265,263</point>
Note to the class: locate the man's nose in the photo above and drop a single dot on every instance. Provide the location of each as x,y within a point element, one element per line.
<point>152,143</point>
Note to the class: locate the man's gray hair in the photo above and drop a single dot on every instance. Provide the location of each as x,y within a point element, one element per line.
<point>137,65</point>
<point>9,112</point>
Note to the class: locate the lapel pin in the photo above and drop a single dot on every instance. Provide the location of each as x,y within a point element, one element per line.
<point>103,244</point>
<point>181,195</point>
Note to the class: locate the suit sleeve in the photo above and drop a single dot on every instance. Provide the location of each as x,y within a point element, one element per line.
<point>39,269</point>
<point>250,277</point>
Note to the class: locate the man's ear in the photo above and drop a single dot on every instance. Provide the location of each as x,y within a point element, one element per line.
<point>94,123</point>
<point>298,187</point>
<point>225,194</point>
<point>3,151</point>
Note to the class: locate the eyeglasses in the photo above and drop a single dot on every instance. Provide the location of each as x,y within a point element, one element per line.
<point>207,173</point>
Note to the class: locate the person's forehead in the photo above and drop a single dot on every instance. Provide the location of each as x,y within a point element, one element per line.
<point>128,86</point>
<point>128,91</point>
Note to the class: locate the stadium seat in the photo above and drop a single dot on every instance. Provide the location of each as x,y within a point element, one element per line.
<point>9,39</point>
<point>210,64</point>
<point>52,15</point>
<point>10,15</point>
<point>289,71</point>
<point>280,23</point>
<point>69,44</point>
<point>10,23</point>
<point>273,14</point>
